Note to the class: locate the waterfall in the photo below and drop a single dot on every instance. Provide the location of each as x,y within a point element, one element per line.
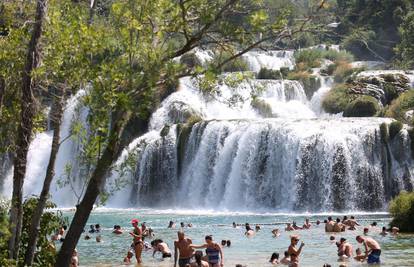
<point>256,145</point>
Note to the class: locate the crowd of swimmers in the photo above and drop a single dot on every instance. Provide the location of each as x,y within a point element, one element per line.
<point>187,254</point>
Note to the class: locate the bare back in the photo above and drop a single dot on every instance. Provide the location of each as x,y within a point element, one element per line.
<point>371,243</point>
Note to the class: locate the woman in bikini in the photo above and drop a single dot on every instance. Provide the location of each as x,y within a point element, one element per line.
<point>137,235</point>
<point>214,252</point>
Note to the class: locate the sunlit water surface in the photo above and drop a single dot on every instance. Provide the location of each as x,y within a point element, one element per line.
<point>256,251</point>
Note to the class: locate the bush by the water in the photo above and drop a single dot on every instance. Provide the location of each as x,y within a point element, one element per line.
<point>337,99</point>
<point>310,82</point>
<point>237,64</point>
<point>191,60</point>
<point>312,58</point>
<point>395,128</point>
<point>362,106</point>
<point>269,74</point>
<point>402,211</point>
<point>400,106</point>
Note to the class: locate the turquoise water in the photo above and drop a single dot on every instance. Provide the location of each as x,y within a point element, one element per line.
<point>256,251</point>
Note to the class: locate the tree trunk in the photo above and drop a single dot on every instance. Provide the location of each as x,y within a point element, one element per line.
<point>56,118</point>
<point>24,132</point>
<point>2,91</point>
<point>95,185</point>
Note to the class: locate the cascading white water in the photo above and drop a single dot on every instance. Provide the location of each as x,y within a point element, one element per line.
<point>272,149</point>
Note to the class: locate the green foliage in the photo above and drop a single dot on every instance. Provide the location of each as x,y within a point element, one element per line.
<point>362,106</point>
<point>263,108</point>
<point>405,49</point>
<point>342,71</point>
<point>309,82</point>
<point>402,211</point>
<point>400,106</point>
<point>384,132</point>
<point>49,224</point>
<point>395,128</point>
<point>234,65</point>
<point>337,99</point>
<point>269,74</point>
<point>308,58</point>
<point>190,60</point>
<point>390,91</point>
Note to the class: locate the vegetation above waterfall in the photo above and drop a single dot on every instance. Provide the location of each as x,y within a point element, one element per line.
<point>402,210</point>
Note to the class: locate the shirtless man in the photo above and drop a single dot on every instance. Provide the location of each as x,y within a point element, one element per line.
<point>289,227</point>
<point>74,262</point>
<point>338,226</point>
<point>307,224</point>
<point>329,226</point>
<point>182,245</point>
<point>345,249</point>
<point>286,259</point>
<point>372,249</point>
<point>162,247</point>
<point>249,231</point>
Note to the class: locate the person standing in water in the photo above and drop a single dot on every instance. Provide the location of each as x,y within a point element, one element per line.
<point>138,243</point>
<point>161,246</point>
<point>214,252</point>
<point>182,247</point>
<point>294,240</point>
<point>372,249</point>
<point>198,256</point>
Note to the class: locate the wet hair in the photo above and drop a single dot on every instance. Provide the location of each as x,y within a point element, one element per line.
<point>384,228</point>
<point>352,217</point>
<point>153,243</point>
<point>248,228</point>
<point>228,242</point>
<point>208,237</point>
<point>239,265</point>
<point>92,226</point>
<point>338,220</point>
<point>275,256</point>
<point>182,224</point>
<point>358,237</point>
<point>286,253</point>
<point>332,238</point>
<point>97,225</point>
<point>345,218</point>
<point>329,218</point>
<point>325,221</point>
<point>374,224</point>
<point>198,255</point>
<point>223,242</point>
<point>327,265</point>
<point>115,226</point>
<point>343,239</point>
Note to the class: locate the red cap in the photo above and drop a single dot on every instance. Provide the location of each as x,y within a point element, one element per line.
<point>133,221</point>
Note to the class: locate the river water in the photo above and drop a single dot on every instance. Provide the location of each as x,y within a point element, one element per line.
<point>256,251</point>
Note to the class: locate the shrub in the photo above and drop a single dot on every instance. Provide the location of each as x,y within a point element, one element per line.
<point>191,60</point>
<point>402,211</point>
<point>400,106</point>
<point>334,55</point>
<point>309,82</point>
<point>384,133</point>
<point>237,64</point>
<point>362,106</point>
<point>390,91</point>
<point>284,71</point>
<point>270,74</point>
<point>309,58</point>
<point>342,71</point>
<point>395,128</point>
<point>337,99</point>
<point>263,108</point>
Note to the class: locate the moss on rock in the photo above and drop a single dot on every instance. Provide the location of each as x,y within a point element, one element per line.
<point>310,83</point>
<point>263,108</point>
<point>400,106</point>
<point>269,74</point>
<point>337,99</point>
<point>395,128</point>
<point>362,106</point>
<point>384,133</point>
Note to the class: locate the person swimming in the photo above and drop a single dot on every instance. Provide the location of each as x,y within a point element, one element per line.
<point>117,230</point>
<point>276,232</point>
<point>307,224</point>
<point>171,224</point>
<point>161,246</point>
<point>228,243</point>
<point>274,259</point>
<point>286,259</point>
<point>249,231</point>
<point>384,231</point>
<point>289,227</point>
<point>223,243</point>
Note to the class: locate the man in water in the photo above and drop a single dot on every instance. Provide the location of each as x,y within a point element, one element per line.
<point>384,231</point>
<point>171,224</point>
<point>307,224</point>
<point>161,246</point>
<point>372,249</point>
<point>286,259</point>
<point>249,231</point>
<point>276,232</point>
<point>289,227</point>
<point>182,246</point>
<point>359,256</point>
<point>329,226</point>
<point>345,249</point>
<point>294,260</point>
<point>234,225</point>
<point>338,226</point>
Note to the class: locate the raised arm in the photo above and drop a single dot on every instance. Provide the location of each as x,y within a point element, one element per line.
<point>221,255</point>
<point>175,253</point>
<point>198,246</point>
